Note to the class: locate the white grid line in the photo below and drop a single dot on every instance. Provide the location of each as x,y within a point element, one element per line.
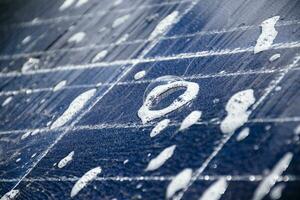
<point>89,47</point>
<point>227,137</point>
<point>180,56</point>
<point>138,125</point>
<point>192,77</point>
<point>88,15</point>
<point>247,178</point>
<point>98,98</point>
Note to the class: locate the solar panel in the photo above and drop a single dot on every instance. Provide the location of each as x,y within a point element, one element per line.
<point>132,99</point>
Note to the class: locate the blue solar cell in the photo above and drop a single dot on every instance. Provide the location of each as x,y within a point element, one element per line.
<point>87,66</point>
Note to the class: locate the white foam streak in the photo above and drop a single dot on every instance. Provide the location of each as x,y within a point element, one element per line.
<point>243,134</point>
<point>215,191</point>
<point>267,36</point>
<point>66,4</point>
<point>237,111</point>
<point>269,181</point>
<point>81,2</point>
<point>84,180</point>
<point>190,120</point>
<point>297,130</point>
<point>99,56</point>
<point>164,25</point>
<point>60,85</point>
<point>6,101</point>
<point>139,75</point>
<point>159,127</point>
<point>10,195</point>
<point>119,21</point>
<point>179,182</point>
<point>276,192</point>
<point>77,104</point>
<point>158,161</point>
<point>274,57</point>
<point>26,39</point>
<point>30,64</point>
<point>66,160</point>
<point>77,37</point>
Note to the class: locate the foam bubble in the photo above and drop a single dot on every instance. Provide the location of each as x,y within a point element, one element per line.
<point>190,120</point>
<point>84,180</point>
<point>66,160</point>
<point>77,37</point>
<point>158,161</point>
<point>237,110</point>
<point>159,127</point>
<point>267,36</point>
<point>191,91</point>
<point>77,104</point>
<point>164,25</point>
<point>179,182</point>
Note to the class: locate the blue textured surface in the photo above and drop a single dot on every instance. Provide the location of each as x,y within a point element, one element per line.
<point>109,131</point>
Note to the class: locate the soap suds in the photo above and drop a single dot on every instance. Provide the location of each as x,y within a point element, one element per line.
<point>191,92</point>
<point>158,161</point>
<point>10,195</point>
<point>215,191</point>
<point>159,127</point>
<point>117,2</point>
<point>139,75</point>
<point>48,123</point>
<point>7,101</point>
<point>270,180</point>
<point>297,130</point>
<point>25,135</point>
<point>125,161</point>
<point>66,160</point>
<point>190,120</point>
<point>164,25</point>
<point>66,4</point>
<point>122,39</point>
<point>30,64</point>
<point>237,110</point>
<point>179,182</point>
<point>35,132</point>
<point>26,39</point>
<point>80,3</point>
<point>60,85</point>
<point>274,57</point>
<point>84,180</point>
<point>77,104</point>
<point>267,36</point>
<point>243,134</point>
<point>99,56</point>
<point>77,37</point>
<point>278,88</point>
<point>276,192</point>
<point>119,21</point>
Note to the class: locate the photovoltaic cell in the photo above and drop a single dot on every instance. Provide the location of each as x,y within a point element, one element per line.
<point>90,45</point>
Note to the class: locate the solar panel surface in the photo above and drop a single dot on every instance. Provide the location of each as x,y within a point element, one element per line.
<point>75,73</point>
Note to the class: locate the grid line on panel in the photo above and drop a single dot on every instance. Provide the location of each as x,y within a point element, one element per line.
<point>227,137</point>
<point>30,91</point>
<point>95,46</point>
<point>215,121</point>
<point>97,99</point>
<point>247,178</point>
<point>88,15</point>
<point>180,56</point>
